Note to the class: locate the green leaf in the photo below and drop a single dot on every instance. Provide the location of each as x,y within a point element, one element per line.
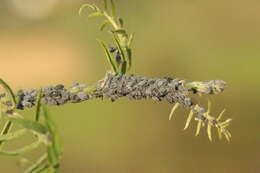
<point>219,133</point>
<point>131,37</point>
<point>54,150</point>
<point>209,107</point>
<point>47,170</point>
<point>119,31</point>
<point>104,24</point>
<point>84,6</point>
<point>95,14</point>
<point>40,130</point>
<point>13,135</point>
<point>41,169</point>
<point>51,127</point>
<point>52,156</point>
<point>221,114</point>
<point>109,58</point>
<point>38,105</point>
<point>225,123</point>
<point>188,120</point>
<point>129,57</point>
<point>121,22</point>
<point>9,91</point>
<point>22,150</point>
<point>209,131</point>
<point>119,47</point>
<point>96,8</point>
<point>173,110</point>
<point>37,164</point>
<point>227,136</point>
<point>30,124</point>
<point>113,8</point>
<point>1,114</point>
<point>198,127</point>
<point>122,67</point>
<point>7,127</point>
<point>105,4</point>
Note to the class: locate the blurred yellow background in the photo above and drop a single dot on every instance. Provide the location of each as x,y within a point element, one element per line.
<point>45,42</point>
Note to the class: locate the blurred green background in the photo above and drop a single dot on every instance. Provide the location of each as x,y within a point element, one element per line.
<point>46,42</point>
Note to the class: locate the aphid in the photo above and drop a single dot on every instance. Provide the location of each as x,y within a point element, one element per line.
<point>9,111</point>
<point>2,95</point>
<point>59,87</point>
<point>118,57</point>
<point>8,103</point>
<point>112,49</point>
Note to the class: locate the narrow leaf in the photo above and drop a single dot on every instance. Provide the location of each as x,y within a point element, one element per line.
<point>129,57</point>
<point>104,24</point>
<point>109,58</point>
<point>1,114</point>
<point>173,110</point>
<point>119,31</point>
<point>84,6</point>
<point>54,150</point>
<point>122,67</point>
<point>95,14</point>
<point>38,105</point>
<point>225,123</point>
<point>113,8</point>
<point>7,127</point>
<point>52,156</point>
<point>37,128</point>
<point>96,8</point>
<point>30,124</point>
<point>209,106</point>
<point>227,136</point>
<point>188,120</point>
<point>48,120</point>
<point>9,91</point>
<point>105,4</point>
<point>198,127</point>
<point>21,150</point>
<point>37,164</point>
<point>219,133</point>
<point>121,22</point>
<point>209,131</point>
<point>47,169</point>
<point>221,114</point>
<point>131,37</point>
<point>119,47</point>
<point>228,133</point>
<point>13,135</point>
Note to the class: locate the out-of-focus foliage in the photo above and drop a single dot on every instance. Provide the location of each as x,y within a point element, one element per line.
<point>193,40</point>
